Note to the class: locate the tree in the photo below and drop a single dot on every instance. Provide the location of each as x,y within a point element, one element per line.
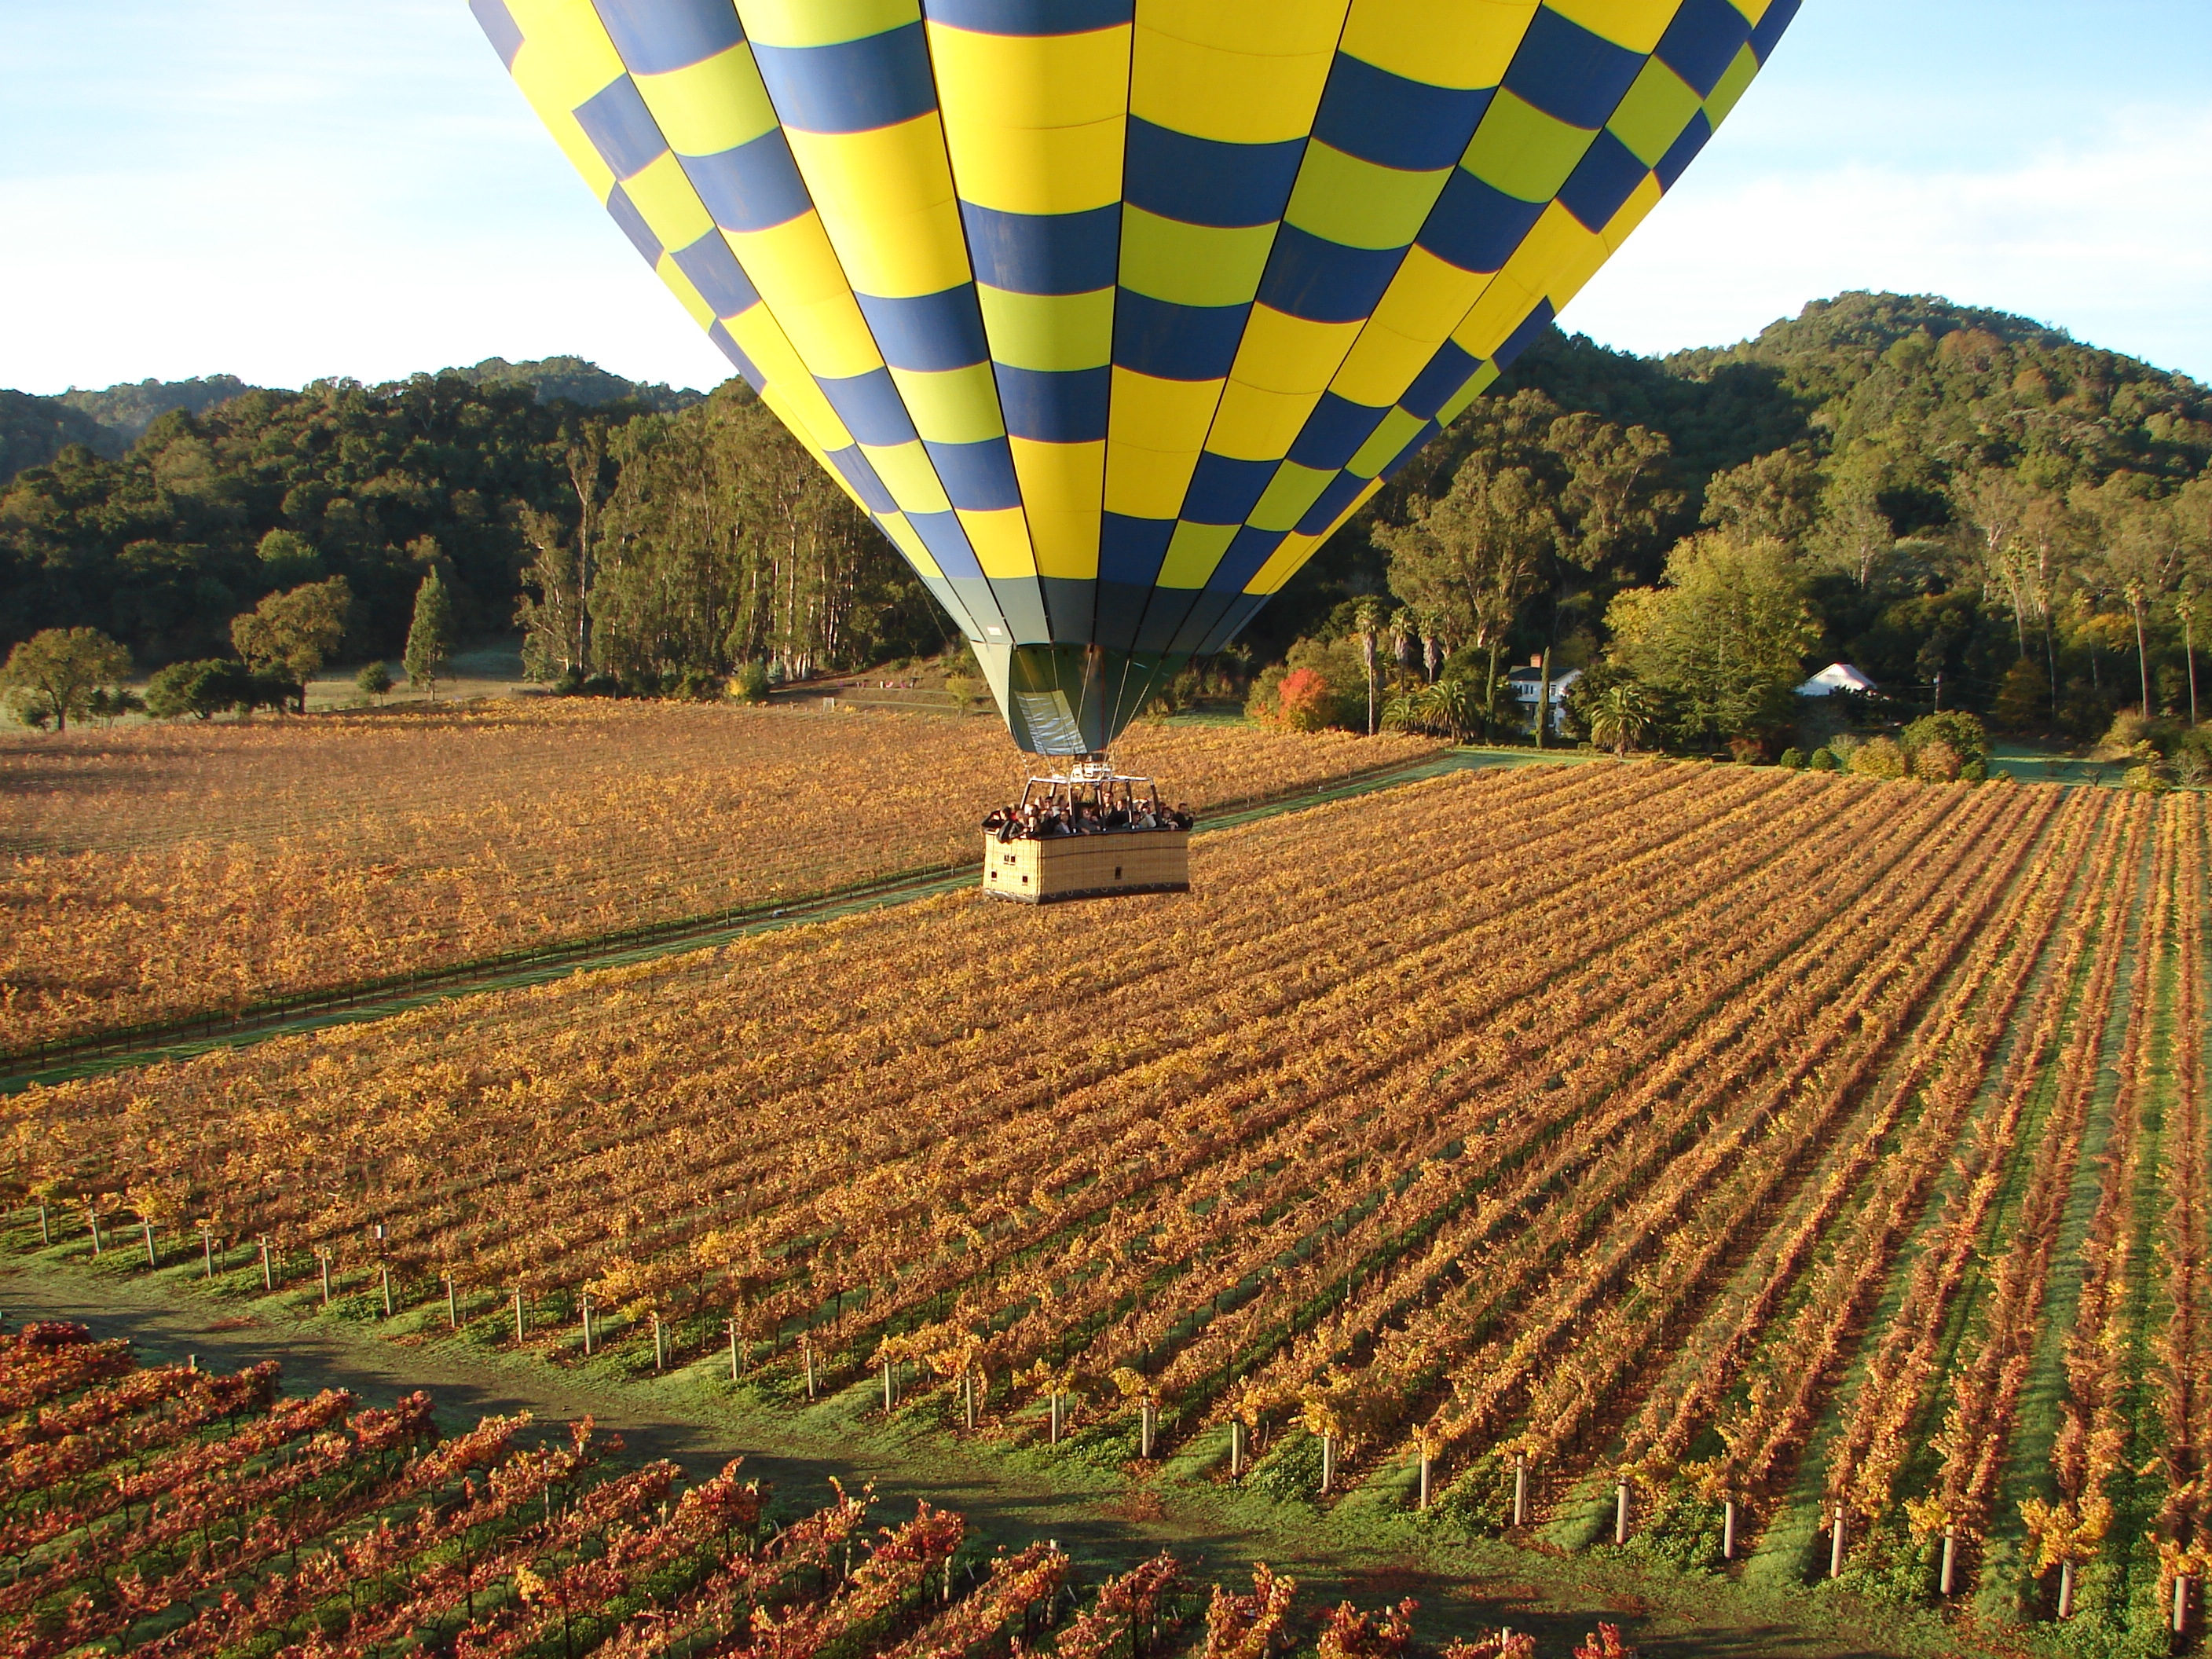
<point>430,637</point>
<point>202,689</point>
<point>1367,626</point>
<point>1621,715</point>
<point>288,560</point>
<point>1613,500</point>
<point>1777,494</point>
<point>1468,559</point>
<point>1727,635</point>
<point>56,673</point>
<point>294,633</point>
<point>2023,700</point>
<point>374,679</point>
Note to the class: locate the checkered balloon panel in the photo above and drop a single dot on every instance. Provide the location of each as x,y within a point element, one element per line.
<point>1110,312</point>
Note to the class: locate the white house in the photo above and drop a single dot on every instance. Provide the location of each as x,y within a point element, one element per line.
<point>1836,677</point>
<point>1523,682</point>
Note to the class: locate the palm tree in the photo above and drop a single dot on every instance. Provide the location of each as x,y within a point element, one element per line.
<point>2185,606</point>
<point>1623,715</point>
<point>1367,621</point>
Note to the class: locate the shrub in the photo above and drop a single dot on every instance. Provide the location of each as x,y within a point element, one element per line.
<point>749,683</point>
<point>1976,771</point>
<point>1305,701</point>
<point>1879,757</point>
<point>1824,760</point>
<point>1935,762</point>
<point>1793,759</point>
<point>1748,751</point>
<point>1965,734</point>
<point>202,689</point>
<point>373,680</point>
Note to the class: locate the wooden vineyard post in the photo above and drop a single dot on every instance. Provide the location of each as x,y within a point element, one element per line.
<point>387,1290</point>
<point>1327,1462</point>
<point>2180,1604</point>
<point>1235,1450</point>
<point>1950,1560</point>
<point>1055,1418</point>
<point>46,1229</point>
<point>659,1346</point>
<point>1728,1530</point>
<point>147,1225</point>
<point>1836,1545</point>
<point>1620,1513</point>
<point>1424,1477</point>
<point>948,1581</point>
<point>967,1399</point>
<point>93,1216</point>
<point>2065,1590</point>
<point>1145,1430</point>
<point>584,1305</point>
<point>323,1264</point>
<point>807,1352</point>
<point>206,1255</point>
<point>1520,1488</point>
<point>732,1325</point>
<point>268,1266</point>
<point>517,1315</point>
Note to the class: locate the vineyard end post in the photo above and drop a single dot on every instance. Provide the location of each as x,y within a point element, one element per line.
<point>585,1302</point>
<point>1620,1513</point>
<point>887,1388</point>
<point>323,1261</point>
<point>1424,1478</point>
<point>2180,1604</point>
<point>1520,1488</point>
<point>1950,1560</point>
<point>1145,1430</point>
<point>1728,1530</point>
<point>2065,1590</point>
<point>95,1216</point>
<point>517,1315</point>
<point>808,1344</point>
<point>660,1352</point>
<point>268,1266</point>
<point>733,1325</point>
<point>1327,1462</point>
<point>387,1290</point>
<point>1235,1450</point>
<point>207,1254</point>
<point>1836,1545</point>
<point>147,1224</point>
<point>453,1305</point>
<point>45,1231</point>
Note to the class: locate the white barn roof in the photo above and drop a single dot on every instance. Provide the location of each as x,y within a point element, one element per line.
<point>1836,677</point>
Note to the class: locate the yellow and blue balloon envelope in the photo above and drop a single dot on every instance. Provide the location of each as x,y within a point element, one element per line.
<point>1109,312</point>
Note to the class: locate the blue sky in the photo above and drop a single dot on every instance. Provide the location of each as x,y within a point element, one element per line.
<point>283,189</point>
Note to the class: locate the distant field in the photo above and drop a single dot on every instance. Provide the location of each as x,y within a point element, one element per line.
<point>1794,1140</point>
<point>152,871</point>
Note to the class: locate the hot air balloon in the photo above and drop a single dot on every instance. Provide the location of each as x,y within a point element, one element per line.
<point>1110,312</point>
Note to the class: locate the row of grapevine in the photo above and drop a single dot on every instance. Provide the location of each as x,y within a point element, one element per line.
<point>387,1537</point>
<point>1575,1122</point>
<point>156,872</point>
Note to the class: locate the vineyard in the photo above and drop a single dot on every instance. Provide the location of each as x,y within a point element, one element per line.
<point>152,872</point>
<point>1798,1176</point>
<point>171,1512</point>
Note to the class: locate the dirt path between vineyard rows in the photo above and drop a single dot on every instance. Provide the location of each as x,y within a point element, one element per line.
<point>1106,1518</point>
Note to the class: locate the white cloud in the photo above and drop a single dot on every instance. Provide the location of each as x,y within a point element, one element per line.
<point>2109,237</point>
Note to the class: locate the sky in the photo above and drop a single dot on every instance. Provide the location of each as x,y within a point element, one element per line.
<point>287,189</point>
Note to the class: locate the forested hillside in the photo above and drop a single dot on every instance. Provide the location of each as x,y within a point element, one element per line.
<point>1971,507</point>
